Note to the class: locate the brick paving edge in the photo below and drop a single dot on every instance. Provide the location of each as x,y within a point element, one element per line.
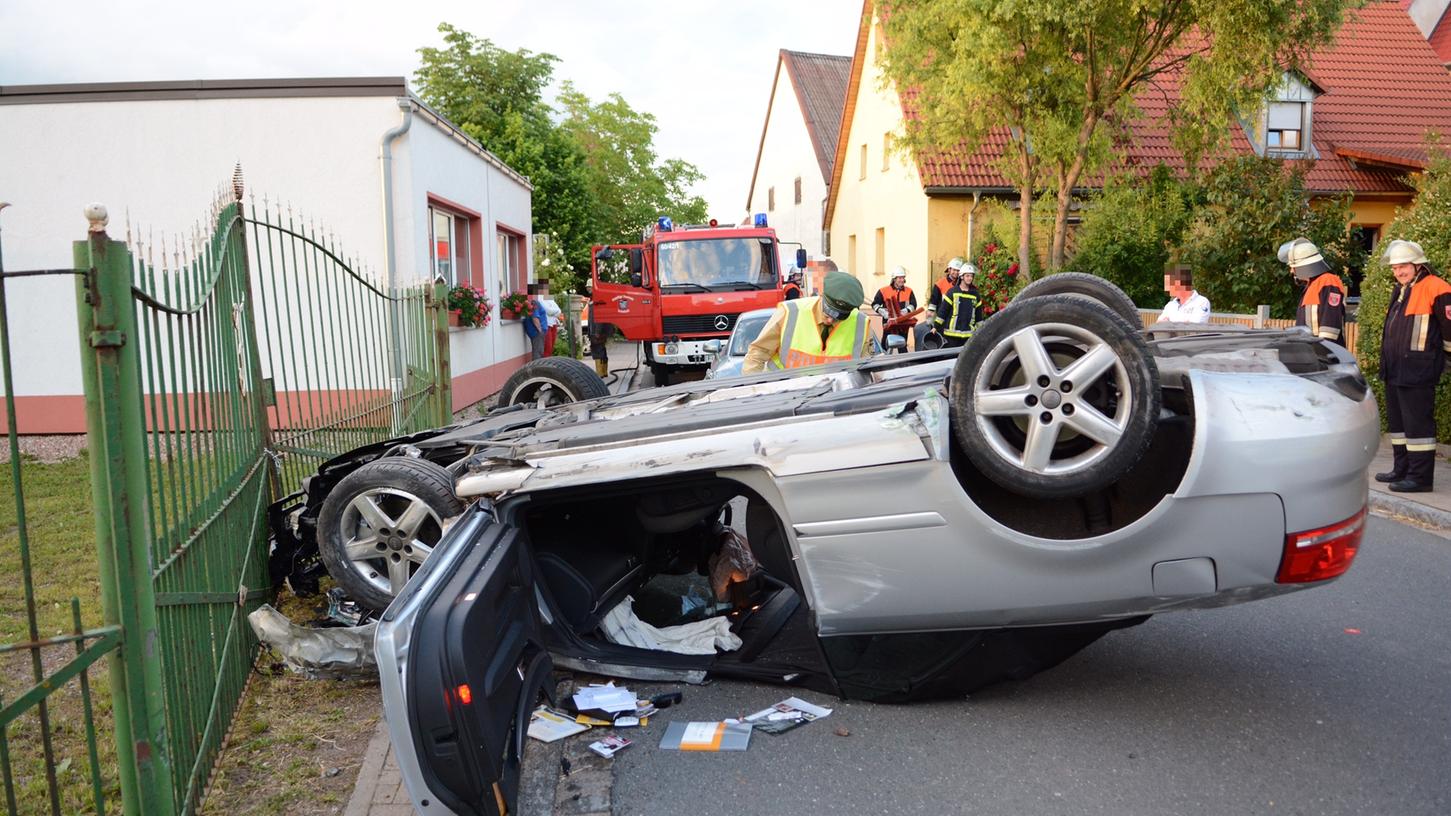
<point>1384,504</point>
<point>368,774</point>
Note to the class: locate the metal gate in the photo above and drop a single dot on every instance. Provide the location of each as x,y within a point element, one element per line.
<point>218,370</point>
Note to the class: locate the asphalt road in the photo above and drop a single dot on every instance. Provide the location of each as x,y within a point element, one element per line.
<point>1334,701</point>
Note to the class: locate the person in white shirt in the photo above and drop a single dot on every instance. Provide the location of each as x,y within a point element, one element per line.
<point>553,313</point>
<point>1185,305</point>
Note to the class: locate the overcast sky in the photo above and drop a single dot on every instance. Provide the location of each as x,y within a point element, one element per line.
<point>703,68</point>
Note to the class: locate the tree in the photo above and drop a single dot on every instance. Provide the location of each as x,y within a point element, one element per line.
<point>629,184</point>
<point>1051,73</point>
<point>596,174</point>
<point>1130,231</point>
<point>1251,206</point>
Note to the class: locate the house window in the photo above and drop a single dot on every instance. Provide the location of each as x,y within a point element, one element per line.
<point>886,152</point>
<point>798,189</point>
<point>851,258</point>
<point>512,270</point>
<point>1285,126</point>
<point>863,173</point>
<point>771,200</point>
<point>881,265</point>
<point>448,240</point>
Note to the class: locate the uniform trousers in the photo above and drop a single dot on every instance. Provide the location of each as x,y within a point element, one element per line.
<point>1411,418</point>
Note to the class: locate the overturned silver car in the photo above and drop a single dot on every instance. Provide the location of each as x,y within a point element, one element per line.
<point>920,526</point>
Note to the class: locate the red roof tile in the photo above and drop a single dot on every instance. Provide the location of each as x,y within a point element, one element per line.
<point>1385,89</point>
<point>1440,38</point>
<point>820,82</point>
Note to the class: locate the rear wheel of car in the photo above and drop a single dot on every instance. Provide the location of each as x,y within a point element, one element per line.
<point>1055,397</point>
<point>381,523</point>
<point>1083,285</point>
<point>551,381</point>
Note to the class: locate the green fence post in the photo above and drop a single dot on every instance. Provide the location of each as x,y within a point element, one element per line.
<point>110,366</point>
<point>442,372</point>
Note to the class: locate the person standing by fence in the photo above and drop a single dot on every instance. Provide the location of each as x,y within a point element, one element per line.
<point>1322,306</point>
<point>1414,345</point>
<point>1185,304</point>
<point>552,314</point>
<point>536,323</point>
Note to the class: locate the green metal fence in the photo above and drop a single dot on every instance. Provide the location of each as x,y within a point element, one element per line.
<point>218,371</point>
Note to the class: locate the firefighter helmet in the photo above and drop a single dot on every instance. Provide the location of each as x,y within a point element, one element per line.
<point>1404,252</point>
<point>899,271</point>
<point>1303,258</point>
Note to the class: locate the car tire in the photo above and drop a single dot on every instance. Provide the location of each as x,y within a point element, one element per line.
<point>414,496</point>
<point>1083,284</point>
<point>661,373</point>
<point>1021,418</point>
<point>551,381</point>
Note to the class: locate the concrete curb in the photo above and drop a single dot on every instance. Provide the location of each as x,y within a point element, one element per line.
<point>1383,504</point>
<point>369,773</point>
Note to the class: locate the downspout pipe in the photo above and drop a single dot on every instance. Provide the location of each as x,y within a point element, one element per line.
<point>389,251</point>
<point>976,200</point>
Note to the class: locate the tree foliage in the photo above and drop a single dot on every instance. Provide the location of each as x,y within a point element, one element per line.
<point>1251,206</point>
<point>1427,221</point>
<point>1131,230</point>
<point>596,175</point>
<point>1053,73</point>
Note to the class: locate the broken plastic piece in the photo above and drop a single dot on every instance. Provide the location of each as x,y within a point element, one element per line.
<point>622,626</point>
<point>336,652</point>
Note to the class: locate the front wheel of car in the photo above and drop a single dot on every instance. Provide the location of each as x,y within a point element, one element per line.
<point>551,381</point>
<point>1055,397</point>
<point>381,523</point>
<point>1084,285</point>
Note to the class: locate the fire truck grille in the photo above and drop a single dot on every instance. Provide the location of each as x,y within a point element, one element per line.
<point>698,324</point>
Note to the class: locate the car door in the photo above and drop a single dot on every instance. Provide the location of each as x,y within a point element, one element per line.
<point>476,666</point>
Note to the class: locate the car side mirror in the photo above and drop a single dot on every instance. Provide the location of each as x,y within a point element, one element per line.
<point>713,346</point>
<point>637,263</point>
<point>896,341</point>
<point>801,258</point>
<point>636,279</point>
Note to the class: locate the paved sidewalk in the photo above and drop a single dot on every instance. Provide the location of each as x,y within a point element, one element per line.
<point>1428,509</point>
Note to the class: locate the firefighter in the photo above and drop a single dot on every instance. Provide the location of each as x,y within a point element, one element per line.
<point>945,285</point>
<point>793,284</point>
<point>1322,306</point>
<point>1414,345</point>
<point>894,303</point>
<point>960,311</point>
<point>812,330</point>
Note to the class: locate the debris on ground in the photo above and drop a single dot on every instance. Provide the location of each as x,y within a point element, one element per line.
<point>610,745</point>
<point>335,653</point>
<point>548,725</point>
<point>727,735</point>
<point>344,610</point>
<point>786,715</point>
<point>842,732</point>
<point>621,625</point>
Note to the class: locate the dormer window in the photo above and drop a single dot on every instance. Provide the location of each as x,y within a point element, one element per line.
<point>1283,126</point>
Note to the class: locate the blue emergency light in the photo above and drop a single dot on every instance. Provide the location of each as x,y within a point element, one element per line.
<point>760,220</point>
<point>665,223</point>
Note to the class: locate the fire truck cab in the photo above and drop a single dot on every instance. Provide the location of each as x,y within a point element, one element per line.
<point>679,291</point>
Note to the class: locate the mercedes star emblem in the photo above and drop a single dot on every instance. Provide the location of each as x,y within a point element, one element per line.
<point>722,322</point>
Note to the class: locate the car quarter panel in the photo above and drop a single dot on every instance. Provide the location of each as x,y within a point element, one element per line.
<point>902,548</point>
<point>1282,434</point>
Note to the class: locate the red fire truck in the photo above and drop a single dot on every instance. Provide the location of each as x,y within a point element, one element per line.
<point>679,291</point>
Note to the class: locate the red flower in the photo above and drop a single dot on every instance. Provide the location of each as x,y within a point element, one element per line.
<point>1013,270</point>
<point>990,248</point>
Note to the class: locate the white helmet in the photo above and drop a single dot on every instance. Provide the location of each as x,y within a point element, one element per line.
<point>1404,252</point>
<point>956,263</point>
<point>1303,258</point>
<point>899,271</point>
<point>969,270</point>
<point>795,275</point>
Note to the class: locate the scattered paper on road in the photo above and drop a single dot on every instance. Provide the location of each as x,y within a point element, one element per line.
<point>706,736</point>
<point>608,697</point>
<point>786,715</point>
<point>546,725</point>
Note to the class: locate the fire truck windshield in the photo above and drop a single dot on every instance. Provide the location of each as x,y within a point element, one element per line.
<point>718,263</point>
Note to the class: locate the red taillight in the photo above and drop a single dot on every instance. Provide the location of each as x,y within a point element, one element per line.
<point>465,696</point>
<point>1326,552</point>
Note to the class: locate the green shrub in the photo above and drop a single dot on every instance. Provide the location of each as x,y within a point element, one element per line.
<point>997,272</point>
<point>1427,222</point>
<point>1251,206</point>
<point>1130,231</point>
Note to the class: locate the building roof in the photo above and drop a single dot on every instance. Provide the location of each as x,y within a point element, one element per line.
<point>1384,89</point>
<point>819,81</point>
<point>1440,38</point>
<point>396,87</point>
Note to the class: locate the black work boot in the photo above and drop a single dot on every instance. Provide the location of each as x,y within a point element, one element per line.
<point>1409,486</point>
<point>1390,476</point>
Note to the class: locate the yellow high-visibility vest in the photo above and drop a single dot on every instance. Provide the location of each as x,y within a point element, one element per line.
<point>801,338</point>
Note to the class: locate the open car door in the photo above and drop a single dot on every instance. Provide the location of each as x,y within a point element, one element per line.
<point>622,292</point>
<point>461,653</point>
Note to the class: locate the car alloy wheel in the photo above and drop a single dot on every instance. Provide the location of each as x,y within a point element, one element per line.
<point>388,533</point>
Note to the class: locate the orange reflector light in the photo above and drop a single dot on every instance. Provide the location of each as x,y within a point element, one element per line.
<point>465,695</point>
<point>659,348</point>
<point>1321,554</point>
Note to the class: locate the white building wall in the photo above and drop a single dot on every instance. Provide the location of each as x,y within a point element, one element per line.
<point>161,163</point>
<point>787,154</point>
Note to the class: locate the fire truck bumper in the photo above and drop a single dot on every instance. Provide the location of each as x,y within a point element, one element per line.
<point>685,352</point>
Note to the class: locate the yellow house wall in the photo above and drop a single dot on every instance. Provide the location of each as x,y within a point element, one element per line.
<point>1374,212</point>
<point>891,200</point>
